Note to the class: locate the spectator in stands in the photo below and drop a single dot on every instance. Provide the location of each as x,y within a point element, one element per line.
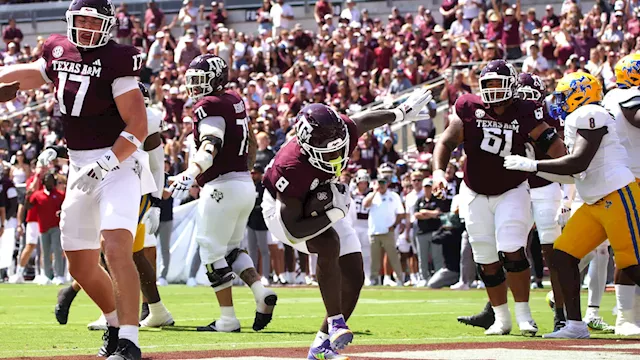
<point>153,15</point>
<point>11,33</point>
<point>399,83</point>
<point>351,13</point>
<point>461,26</point>
<point>12,55</point>
<point>322,9</point>
<point>386,212</point>
<point>281,15</point>
<point>360,58</point>
<point>454,90</point>
<point>257,232</point>
<point>264,17</point>
<point>511,29</point>
<point>535,63</point>
<point>608,75</point>
<point>218,16</point>
<point>264,154</point>
<point>125,25</point>
<point>186,51</point>
<point>530,24</point>
<point>550,19</point>
<point>48,203</point>
<point>448,12</point>
<point>173,106</point>
<point>154,56</point>
<point>188,15</point>
<point>388,154</point>
<point>20,169</point>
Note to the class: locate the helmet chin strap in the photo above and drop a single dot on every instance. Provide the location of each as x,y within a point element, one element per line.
<point>337,163</point>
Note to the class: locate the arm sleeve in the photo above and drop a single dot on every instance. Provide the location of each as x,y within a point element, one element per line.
<point>123,85</point>
<point>156,164</point>
<point>212,125</point>
<point>42,66</point>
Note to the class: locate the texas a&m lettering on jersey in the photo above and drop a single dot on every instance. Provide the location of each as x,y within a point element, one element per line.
<point>233,155</point>
<point>489,137</point>
<point>83,81</point>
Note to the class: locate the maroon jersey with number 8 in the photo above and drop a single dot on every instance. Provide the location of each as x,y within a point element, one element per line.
<point>489,137</point>
<point>83,81</point>
<point>233,155</point>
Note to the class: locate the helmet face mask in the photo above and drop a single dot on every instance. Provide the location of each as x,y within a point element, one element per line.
<point>530,87</point>
<point>198,83</point>
<point>529,93</point>
<point>90,22</point>
<point>206,74</point>
<point>497,82</point>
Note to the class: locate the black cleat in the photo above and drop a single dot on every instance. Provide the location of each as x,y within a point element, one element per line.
<point>126,351</point>
<point>484,319</point>
<point>144,312</point>
<point>62,314</point>
<point>110,339</point>
<point>262,320</point>
<point>65,298</point>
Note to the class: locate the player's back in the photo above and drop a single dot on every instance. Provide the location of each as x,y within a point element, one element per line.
<point>231,159</point>
<point>87,81</point>
<point>608,170</point>
<point>489,137</point>
<point>629,135</point>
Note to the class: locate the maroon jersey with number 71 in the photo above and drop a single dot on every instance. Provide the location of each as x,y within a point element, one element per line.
<point>489,137</point>
<point>83,82</point>
<point>233,155</point>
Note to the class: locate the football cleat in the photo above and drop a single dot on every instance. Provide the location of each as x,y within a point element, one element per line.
<point>65,298</point>
<point>558,324</point>
<point>62,314</point>
<point>16,279</point>
<point>598,324</point>
<point>528,328</point>
<point>155,320</point>
<point>100,324</point>
<point>110,338</point>
<point>222,325</point>
<point>626,325</point>
<point>498,328</point>
<point>264,310</point>
<point>324,352</point>
<point>484,319</point>
<point>339,334</point>
<point>162,282</point>
<point>144,311</point>
<point>126,351</point>
<point>570,332</point>
<point>191,282</point>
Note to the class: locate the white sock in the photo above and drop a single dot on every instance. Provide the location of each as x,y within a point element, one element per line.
<point>625,297</point>
<point>112,318</point>
<point>523,312</point>
<point>320,338</point>
<point>575,323</point>
<point>592,312</point>
<point>227,311</point>
<point>502,313</point>
<point>19,270</point>
<point>129,332</point>
<point>258,291</point>
<point>157,308</point>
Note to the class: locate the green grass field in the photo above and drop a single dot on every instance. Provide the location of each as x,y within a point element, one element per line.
<point>384,316</point>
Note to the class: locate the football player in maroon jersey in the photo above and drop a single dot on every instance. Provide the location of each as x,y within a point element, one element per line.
<point>104,119</point>
<point>226,151</point>
<point>316,156</point>
<point>492,126</point>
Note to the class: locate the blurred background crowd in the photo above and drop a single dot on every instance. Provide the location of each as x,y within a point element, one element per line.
<point>351,61</point>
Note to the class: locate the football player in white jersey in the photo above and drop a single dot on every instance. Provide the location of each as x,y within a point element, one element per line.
<point>608,188</point>
<point>623,103</point>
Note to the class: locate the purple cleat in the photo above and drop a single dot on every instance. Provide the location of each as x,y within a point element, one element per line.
<point>324,352</point>
<point>339,334</point>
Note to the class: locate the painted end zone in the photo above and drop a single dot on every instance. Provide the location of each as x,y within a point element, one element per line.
<point>535,350</point>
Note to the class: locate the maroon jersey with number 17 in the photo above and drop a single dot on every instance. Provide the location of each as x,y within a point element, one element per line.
<point>489,137</point>
<point>83,81</point>
<point>290,172</point>
<point>233,155</point>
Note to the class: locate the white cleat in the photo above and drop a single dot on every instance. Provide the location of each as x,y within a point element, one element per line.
<point>162,282</point>
<point>224,324</point>
<point>41,280</point>
<point>100,324</point>
<point>264,281</point>
<point>528,328</point>
<point>579,331</point>
<point>460,286</point>
<point>16,279</point>
<point>625,324</point>
<point>388,282</point>
<point>58,280</point>
<point>421,283</point>
<point>158,319</point>
<point>498,328</point>
<point>191,282</point>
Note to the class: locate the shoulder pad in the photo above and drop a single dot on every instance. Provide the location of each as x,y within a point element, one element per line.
<point>588,117</point>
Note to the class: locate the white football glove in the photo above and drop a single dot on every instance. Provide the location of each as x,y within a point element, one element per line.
<point>564,213</point>
<point>182,182</point>
<point>529,151</point>
<point>521,163</point>
<point>152,220</point>
<point>411,107</point>
<point>90,176</point>
<point>341,198</point>
<point>46,157</point>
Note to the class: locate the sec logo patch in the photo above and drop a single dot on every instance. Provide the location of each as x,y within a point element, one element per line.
<point>57,51</point>
<point>480,113</point>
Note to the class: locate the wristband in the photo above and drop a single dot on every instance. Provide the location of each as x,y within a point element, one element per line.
<point>108,161</point>
<point>155,202</point>
<point>132,139</point>
<point>399,114</point>
<point>438,174</point>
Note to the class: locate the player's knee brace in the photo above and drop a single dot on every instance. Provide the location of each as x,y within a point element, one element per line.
<point>239,260</point>
<point>220,278</point>
<point>520,263</point>
<point>491,280</point>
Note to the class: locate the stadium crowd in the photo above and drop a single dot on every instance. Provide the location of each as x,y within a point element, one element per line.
<point>349,61</point>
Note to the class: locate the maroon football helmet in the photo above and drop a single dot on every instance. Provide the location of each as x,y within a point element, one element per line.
<point>530,87</point>
<point>506,74</point>
<point>206,74</point>
<point>324,137</point>
<point>88,32</point>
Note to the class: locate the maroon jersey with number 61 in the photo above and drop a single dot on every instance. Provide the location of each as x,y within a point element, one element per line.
<point>489,137</point>
<point>233,155</point>
<point>290,172</point>
<point>83,81</point>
